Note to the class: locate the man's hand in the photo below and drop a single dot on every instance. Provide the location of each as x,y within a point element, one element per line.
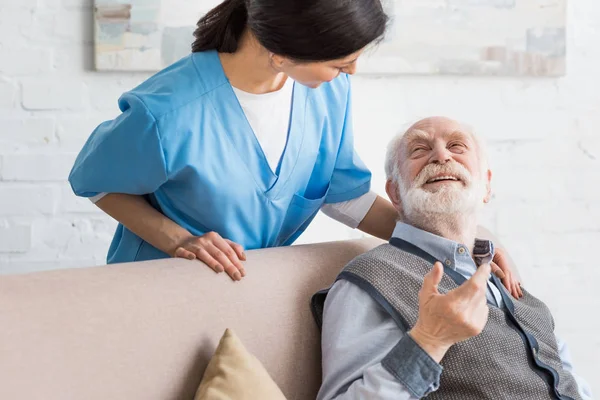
<point>218,253</point>
<point>446,319</point>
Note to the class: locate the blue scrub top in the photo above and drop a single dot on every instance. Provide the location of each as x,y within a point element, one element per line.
<point>183,141</point>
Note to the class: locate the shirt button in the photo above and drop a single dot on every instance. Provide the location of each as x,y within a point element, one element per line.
<point>461,250</point>
<point>448,262</point>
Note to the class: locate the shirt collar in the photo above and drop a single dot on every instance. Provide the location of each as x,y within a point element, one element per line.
<point>445,250</point>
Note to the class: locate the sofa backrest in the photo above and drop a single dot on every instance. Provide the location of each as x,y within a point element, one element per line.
<point>147,330</point>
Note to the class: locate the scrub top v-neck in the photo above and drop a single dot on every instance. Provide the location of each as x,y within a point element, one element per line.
<point>269,118</point>
<point>183,141</point>
<point>243,138</point>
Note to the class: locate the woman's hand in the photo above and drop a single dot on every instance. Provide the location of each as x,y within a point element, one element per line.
<point>501,268</point>
<point>218,253</point>
<point>135,213</point>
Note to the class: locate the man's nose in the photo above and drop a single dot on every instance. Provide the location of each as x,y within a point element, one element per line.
<point>440,155</point>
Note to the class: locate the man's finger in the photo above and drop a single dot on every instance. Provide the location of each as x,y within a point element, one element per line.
<point>433,278</point>
<point>482,275</point>
<point>476,284</point>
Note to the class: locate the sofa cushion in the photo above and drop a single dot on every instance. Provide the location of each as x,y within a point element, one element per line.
<point>234,373</point>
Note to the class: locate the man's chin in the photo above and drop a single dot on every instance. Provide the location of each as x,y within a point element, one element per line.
<point>445,200</point>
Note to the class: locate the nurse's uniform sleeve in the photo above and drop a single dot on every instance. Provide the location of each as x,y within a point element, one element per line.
<point>351,178</point>
<point>124,155</point>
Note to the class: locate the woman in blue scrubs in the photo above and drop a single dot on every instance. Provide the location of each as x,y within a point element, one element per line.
<point>184,169</point>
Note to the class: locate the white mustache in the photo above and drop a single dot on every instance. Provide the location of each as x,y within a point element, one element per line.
<point>450,168</point>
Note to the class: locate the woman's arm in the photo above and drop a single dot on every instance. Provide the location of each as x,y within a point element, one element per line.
<point>137,215</point>
<point>381,219</point>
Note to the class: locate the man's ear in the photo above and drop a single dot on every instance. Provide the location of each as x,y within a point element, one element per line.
<point>391,188</point>
<point>488,187</point>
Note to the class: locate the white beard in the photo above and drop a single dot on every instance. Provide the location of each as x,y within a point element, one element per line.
<point>452,210</point>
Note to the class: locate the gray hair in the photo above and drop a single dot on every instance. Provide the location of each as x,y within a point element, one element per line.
<point>392,157</point>
<point>394,151</point>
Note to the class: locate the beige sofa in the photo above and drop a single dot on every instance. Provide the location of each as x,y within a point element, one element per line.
<point>147,330</point>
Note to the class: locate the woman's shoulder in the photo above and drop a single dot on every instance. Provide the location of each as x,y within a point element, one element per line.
<point>183,83</point>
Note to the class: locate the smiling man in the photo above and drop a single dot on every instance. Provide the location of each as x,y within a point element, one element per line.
<point>422,315</point>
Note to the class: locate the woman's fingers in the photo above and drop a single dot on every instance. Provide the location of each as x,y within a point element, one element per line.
<point>514,291</point>
<point>183,253</point>
<point>508,280</point>
<point>222,255</point>
<point>500,259</point>
<point>232,257</point>
<point>207,258</point>
<point>239,250</point>
<point>513,287</point>
<point>218,253</point>
<point>497,271</point>
<point>505,277</point>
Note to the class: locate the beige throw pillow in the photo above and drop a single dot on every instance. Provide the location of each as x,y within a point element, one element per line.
<point>235,374</point>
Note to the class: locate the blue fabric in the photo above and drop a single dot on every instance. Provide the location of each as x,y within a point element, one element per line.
<point>413,367</point>
<point>183,140</point>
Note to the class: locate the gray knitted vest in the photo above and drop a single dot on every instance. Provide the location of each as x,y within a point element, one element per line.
<point>516,355</point>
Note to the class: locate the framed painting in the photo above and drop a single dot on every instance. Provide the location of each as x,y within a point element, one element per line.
<point>425,37</point>
<point>472,37</point>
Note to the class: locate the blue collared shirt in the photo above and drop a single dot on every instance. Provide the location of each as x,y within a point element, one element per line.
<point>359,337</point>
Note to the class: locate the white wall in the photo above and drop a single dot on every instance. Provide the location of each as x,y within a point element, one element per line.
<point>542,134</point>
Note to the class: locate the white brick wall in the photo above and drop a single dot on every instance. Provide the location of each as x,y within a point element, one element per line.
<point>8,93</point>
<point>542,135</point>
<point>63,94</point>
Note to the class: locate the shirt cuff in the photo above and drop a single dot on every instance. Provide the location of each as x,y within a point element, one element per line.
<point>413,367</point>
<point>349,195</point>
<point>351,212</point>
<point>95,199</point>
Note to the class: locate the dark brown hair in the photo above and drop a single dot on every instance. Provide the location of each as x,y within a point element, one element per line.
<point>303,30</point>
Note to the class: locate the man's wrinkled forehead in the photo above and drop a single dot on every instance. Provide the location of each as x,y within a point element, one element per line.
<point>435,125</point>
<point>427,131</point>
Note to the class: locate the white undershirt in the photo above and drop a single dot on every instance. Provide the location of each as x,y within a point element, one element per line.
<point>269,117</point>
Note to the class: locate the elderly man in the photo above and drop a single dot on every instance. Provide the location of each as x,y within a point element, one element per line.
<point>422,316</point>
